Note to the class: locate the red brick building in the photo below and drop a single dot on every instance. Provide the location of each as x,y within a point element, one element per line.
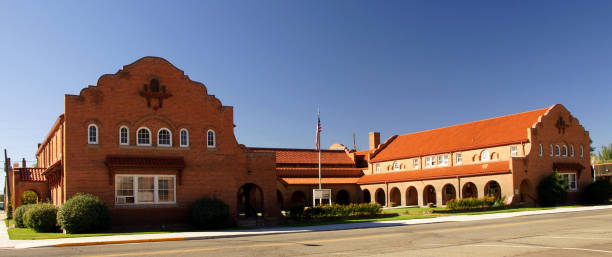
<point>149,142</point>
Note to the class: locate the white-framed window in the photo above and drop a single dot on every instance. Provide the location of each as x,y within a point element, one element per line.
<point>541,150</point>
<point>551,150</point>
<point>571,181</point>
<point>164,137</point>
<point>459,159</point>
<point>396,166</point>
<point>442,160</point>
<point>145,189</point>
<point>124,135</point>
<point>485,156</point>
<point>378,168</point>
<point>564,151</point>
<point>513,151</point>
<point>92,134</point>
<point>557,150</point>
<point>430,161</point>
<point>184,137</point>
<point>581,151</point>
<point>572,150</point>
<point>211,141</point>
<point>143,136</point>
<point>415,163</point>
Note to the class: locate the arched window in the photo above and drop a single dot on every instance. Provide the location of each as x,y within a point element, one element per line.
<point>484,156</point>
<point>557,150</point>
<point>92,134</point>
<point>184,138</point>
<point>124,136</point>
<point>541,150</point>
<point>211,141</point>
<point>164,137</point>
<point>551,150</point>
<point>572,150</point>
<point>143,136</point>
<point>564,151</point>
<point>396,166</point>
<point>581,151</point>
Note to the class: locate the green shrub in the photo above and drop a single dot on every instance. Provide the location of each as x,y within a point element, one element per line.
<point>9,209</point>
<point>339,211</point>
<point>476,203</point>
<point>19,212</point>
<point>29,197</point>
<point>296,211</point>
<point>598,192</point>
<point>84,213</point>
<point>552,190</point>
<point>41,217</point>
<point>210,213</point>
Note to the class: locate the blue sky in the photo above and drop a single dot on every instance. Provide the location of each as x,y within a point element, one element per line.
<point>394,66</point>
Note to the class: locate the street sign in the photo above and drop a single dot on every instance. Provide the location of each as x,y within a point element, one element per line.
<point>321,194</point>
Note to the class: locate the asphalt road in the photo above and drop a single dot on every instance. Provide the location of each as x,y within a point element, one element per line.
<point>587,233</point>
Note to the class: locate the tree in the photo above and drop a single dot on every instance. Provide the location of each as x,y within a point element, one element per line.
<point>552,190</point>
<point>29,197</point>
<point>605,154</point>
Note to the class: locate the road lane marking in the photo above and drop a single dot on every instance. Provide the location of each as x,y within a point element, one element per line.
<point>543,247</point>
<point>510,224</point>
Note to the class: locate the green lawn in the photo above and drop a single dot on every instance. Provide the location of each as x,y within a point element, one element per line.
<point>30,234</point>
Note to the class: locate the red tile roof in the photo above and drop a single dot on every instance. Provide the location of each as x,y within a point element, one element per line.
<point>315,181</point>
<point>31,174</point>
<point>307,156</point>
<point>436,173</point>
<point>314,172</point>
<point>478,134</point>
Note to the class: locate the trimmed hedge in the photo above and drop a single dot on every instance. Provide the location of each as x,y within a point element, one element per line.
<point>19,212</point>
<point>210,213</point>
<point>598,192</point>
<point>552,190</point>
<point>84,213</point>
<point>334,211</point>
<point>476,203</point>
<point>41,217</point>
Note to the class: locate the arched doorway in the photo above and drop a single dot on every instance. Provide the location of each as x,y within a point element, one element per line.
<point>380,197</point>
<point>412,196</point>
<point>524,190</point>
<point>343,197</point>
<point>298,197</point>
<point>492,188</point>
<point>469,190</point>
<point>279,200</point>
<point>448,193</point>
<point>367,198</point>
<point>395,197</point>
<point>250,201</point>
<point>29,197</point>
<point>429,195</point>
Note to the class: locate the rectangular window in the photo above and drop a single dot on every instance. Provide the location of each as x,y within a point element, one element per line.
<point>459,158</point>
<point>513,151</point>
<point>442,160</point>
<point>378,168</point>
<point>571,181</point>
<point>430,162</point>
<point>416,163</point>
<point>145,189</point>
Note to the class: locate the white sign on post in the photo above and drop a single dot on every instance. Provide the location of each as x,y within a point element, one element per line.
<point>321,194</point>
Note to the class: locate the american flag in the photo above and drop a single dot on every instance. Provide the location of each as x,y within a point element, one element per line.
<point>318,142</point>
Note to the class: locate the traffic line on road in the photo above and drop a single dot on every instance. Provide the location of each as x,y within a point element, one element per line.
<point>510,224</point>
<point>122,241</point>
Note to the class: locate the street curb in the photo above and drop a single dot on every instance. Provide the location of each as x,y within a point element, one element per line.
<point>121,242</point>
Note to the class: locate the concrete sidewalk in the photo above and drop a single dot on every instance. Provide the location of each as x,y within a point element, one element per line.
<point>6,243</point>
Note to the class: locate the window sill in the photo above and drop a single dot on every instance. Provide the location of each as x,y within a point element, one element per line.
<point>182,148</point>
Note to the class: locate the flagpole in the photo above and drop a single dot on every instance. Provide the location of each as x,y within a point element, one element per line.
<point>319,118</point>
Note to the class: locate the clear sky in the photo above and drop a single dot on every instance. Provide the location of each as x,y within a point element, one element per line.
<point>392,66</point>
